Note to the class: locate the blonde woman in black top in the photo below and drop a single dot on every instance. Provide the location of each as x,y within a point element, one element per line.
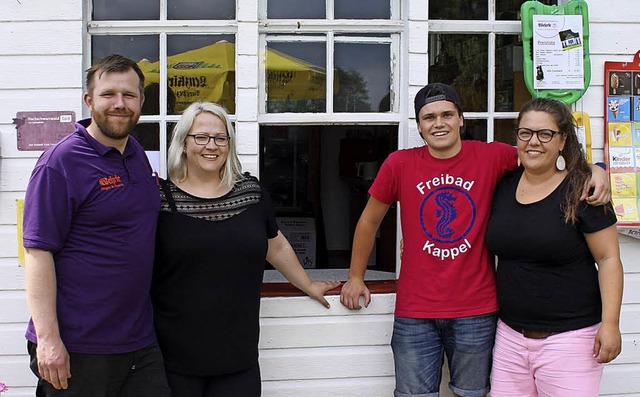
<point>216,228</point>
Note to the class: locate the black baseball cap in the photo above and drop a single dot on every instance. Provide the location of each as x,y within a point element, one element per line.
<point>436,92</point>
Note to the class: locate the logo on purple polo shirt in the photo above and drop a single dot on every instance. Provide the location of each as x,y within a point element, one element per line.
<point>110,182</point>
<point>447,214</point>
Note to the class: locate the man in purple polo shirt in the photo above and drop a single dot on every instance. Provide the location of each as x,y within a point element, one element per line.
<point>89,228</point>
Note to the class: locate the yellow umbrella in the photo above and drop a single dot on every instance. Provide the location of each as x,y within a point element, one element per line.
<point>290,78</point>
<point>208,73</point>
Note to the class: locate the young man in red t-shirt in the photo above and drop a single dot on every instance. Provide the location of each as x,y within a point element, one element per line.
<point>446,295</point>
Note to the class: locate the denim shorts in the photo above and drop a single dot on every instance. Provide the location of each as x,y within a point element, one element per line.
<point>420,344</point>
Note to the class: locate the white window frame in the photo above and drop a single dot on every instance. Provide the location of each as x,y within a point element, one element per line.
<point>328,30</point>
<point>492,28</point>
<point>162,27</point>
<point>275,29</point>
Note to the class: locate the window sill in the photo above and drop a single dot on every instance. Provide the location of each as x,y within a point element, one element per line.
<point>274,284</point>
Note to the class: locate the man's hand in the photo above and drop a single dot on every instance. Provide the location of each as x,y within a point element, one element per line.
<point>351,292</point>
<point>601,186</point>
<point>53,362</point>
<point>52,355</point>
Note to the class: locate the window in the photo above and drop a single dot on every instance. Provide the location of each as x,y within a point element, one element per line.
<point>317,9</point>
<point>329,117</point>
<point>477,9</point>
<point>482,60</point>
<point>325,96</point>
<point>296,78</point>
<point>197,60</point>
<point>123,10</point>
<point>335,65</point>
<point>319,175</point>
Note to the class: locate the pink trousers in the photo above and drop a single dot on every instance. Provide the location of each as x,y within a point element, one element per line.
<point>561,365</point>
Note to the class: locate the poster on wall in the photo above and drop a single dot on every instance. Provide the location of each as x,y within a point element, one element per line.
<point>38,130</point>
<point>622,142</point>
<point>558,52</point>
<point>301,233</point>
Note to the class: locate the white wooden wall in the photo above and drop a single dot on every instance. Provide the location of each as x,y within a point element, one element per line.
<point>305,349</point>
<point>40,69</point>
<point>309,350</point>
<point>615,36</point>
<point>622,376</point>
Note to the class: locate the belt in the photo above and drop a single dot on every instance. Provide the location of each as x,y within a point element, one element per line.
<point>533,334</point>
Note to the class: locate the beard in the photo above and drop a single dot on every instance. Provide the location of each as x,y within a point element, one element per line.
<point>115,129</point>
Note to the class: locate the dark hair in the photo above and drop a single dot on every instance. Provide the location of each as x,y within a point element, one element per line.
<point>436,92</point>
<point>577,167</point>
<point>113,63</point>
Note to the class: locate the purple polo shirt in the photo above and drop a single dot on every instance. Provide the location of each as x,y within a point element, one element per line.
<point>96,210</point>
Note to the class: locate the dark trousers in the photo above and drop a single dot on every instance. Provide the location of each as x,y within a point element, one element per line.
<point>136,374</point>
<point>243,383</point>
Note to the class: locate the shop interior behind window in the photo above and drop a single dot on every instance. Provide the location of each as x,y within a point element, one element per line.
<point>318,177</point>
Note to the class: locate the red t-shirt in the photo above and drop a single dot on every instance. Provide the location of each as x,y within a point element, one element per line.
<point>446,269</point>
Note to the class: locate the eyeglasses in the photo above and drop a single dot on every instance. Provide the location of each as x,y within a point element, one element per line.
<point>203,139</point>
<point>544,135</point>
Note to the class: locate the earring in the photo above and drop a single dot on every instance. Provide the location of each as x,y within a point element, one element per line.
<point>560,163</point>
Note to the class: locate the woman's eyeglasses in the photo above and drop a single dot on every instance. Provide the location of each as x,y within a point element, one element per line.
<point>203,139</point>
<point>544,135</point>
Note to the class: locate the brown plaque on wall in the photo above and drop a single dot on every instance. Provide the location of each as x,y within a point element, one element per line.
<point>39,130</point>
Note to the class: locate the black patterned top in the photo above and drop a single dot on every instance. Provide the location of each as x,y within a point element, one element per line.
<point>245,192</point>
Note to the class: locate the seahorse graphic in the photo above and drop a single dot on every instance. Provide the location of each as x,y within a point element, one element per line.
<point>446,213</point>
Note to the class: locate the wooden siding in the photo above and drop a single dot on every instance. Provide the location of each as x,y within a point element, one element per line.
<point>41,63</point>
<point>305,348</point>
<point>308,348</point>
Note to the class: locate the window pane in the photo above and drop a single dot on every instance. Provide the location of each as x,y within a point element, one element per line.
<point>170,127</point>
<point>134,47</point>
<point>296,78</point>
<point>362,9</point>
<point>286,166</point>
<point>362,78</point>
<point>321,173</point>
<point>510,9</point>
<point>109,10</point>
<point>148,134</point>
<point>296,9</point>
<point>475,130</point>
<point>199,67</point>
<point>461,61</point>
<point>503,131</point>
<point>511,91</point>
<point>142,49</point>
<point>458,9</point>
<point>201,9</point>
